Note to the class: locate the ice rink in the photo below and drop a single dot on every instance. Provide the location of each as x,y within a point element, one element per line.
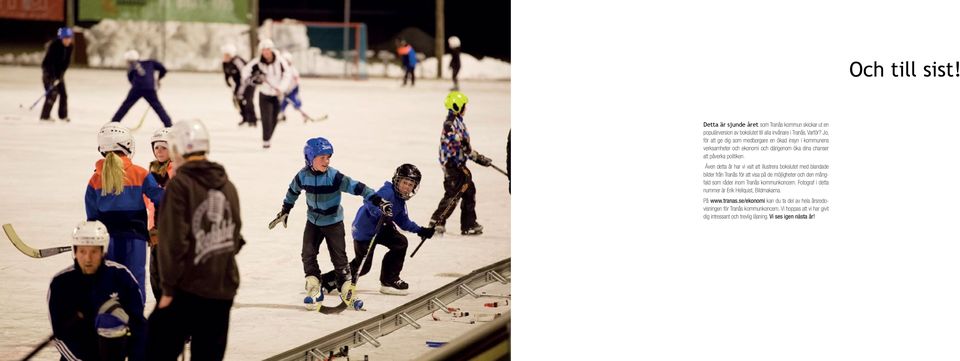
<point>374,125</point>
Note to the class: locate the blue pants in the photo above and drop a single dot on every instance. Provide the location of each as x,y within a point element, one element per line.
<point>131,251</point>
<point>151,97</point>
<point>293,96</point>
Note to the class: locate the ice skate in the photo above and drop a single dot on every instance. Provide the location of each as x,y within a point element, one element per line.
<point>312,301</point>
<point>473,230</point>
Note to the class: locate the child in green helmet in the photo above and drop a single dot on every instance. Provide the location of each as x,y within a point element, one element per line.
<point>455,150</point>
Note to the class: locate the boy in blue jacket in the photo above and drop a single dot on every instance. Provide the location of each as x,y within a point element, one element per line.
<point>143,85</point>
<point>323,185</point>
<point>406,181</point>
<point>96,308</point>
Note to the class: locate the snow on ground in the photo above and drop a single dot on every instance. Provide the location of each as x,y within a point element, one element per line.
<point>374,125</point>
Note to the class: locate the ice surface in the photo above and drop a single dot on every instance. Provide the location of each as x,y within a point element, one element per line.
<point>374,125</point>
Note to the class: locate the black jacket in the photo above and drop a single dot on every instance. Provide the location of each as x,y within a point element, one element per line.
<point>74,299</point>
<point>455,58</point>
<point>57,59</point>
<point>199,225</point>
<point>231,70</point>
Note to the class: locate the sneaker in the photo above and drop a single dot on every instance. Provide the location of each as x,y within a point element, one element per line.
<point>473,230</point>
<point>266,144</point>
<point>398,287</point>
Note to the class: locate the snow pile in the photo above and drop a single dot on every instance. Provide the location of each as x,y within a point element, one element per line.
<point>196,46</point>
<point>178,45</point>
<point>34,58</point>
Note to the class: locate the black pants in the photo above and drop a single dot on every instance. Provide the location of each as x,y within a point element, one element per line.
<point>269,109</point>
<point>456,83</point>
<point>61,91</point>
<point>247,112</point>
<point>457,185</point>
<point>155,274</point>
<point>204,321</point>
<point>392,263</point>
<point>151,97</point>
<point>313,236</point>
<point>409,73</point>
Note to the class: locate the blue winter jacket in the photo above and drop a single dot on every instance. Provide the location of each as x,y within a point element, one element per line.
<point>74,300</point>
<point>125,215</point>
<point>412,58</point>
<point>141,74</point>
<point>365,224</point>
<point>323,194</point>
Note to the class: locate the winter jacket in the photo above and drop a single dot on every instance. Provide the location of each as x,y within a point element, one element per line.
<point>411,58</point>
<point>274,75</point>
<point>365,224</point>
<point>74,300</point>
<point>124,214</point>
<point>454,142</point>
<point>232,69</point>
<point>140,74</point>
<point>57,59</point>
<point>199,223</point>
<point>161,173</point>
<point>323,194</point>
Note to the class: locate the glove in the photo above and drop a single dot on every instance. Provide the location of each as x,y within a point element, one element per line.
<point>480,158</point>
<point>426,232</point>
<point>281,217</point>
<point>112,320</point>
<point>383,204</point>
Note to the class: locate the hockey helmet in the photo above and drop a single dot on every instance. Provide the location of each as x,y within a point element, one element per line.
<point>229,49</point>
<point>131,55</point>
<point>456,102</point>
<point>188,137</point>
<point>91,233</point>
<point>161,135</point>
<point>64,32</point>
<point>406,171</point>
<point>115,137</point>
<point>454,42</point>
<point>315,147</point>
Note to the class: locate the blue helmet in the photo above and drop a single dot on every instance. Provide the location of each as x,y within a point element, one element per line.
<point>316,146</point>
<point>64,32</point>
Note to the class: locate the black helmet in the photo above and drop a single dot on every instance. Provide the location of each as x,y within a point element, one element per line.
<point>408,171</point>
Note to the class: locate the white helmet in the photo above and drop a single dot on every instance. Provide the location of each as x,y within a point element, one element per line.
<point>266,44</point>
<point>161,135</point>
<point>229,49</point>
<point>189,136</point>
<point>91,233</point>
<point>115,137</point>
<point>131,55</point>
<point>454,42</point>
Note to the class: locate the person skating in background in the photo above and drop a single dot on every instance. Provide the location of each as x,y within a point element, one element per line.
<point>454,43</point>
<point>408,60</point>
<point>161,169</point>
<point>455,150</point>
<point>55,64</point>
<point>200,236</point>
<point>96,308</point>
<point>402,187</point>
<point>323,185</point>
<point>114,197</point>
<point>293,95</point>
<point>143,85</point>
<point>242,98</point>
<point>272,74</point>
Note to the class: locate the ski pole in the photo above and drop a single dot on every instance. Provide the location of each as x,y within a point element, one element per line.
<point>52,86</point>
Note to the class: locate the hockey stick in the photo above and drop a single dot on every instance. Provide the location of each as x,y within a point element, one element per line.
<point>499,170</point>
<point>453,202</point>
<point>142,118</point>
<point>52,86</point>
<point>38,348</point>
<point>349,291</point>
<point>30,251</point>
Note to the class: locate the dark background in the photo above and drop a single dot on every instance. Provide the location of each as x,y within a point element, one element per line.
<point>483,26</point>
